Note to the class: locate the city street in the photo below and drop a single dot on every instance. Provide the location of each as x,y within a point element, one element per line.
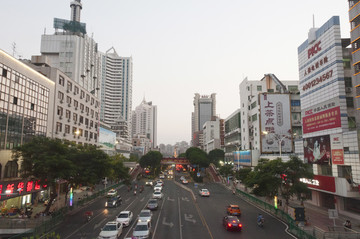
<point>178,215</point>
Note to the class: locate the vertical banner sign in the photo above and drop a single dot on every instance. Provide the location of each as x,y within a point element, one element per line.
<point>337,149</point>
<point>276,121</point>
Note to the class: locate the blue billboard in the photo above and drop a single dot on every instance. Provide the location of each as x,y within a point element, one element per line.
<point>242,158</point>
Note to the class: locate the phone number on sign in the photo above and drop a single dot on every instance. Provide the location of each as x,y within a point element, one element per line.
<point>318,80</point>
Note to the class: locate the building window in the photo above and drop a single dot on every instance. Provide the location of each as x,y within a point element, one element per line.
<point>76,103</point>
<point>76,90</point>
<point>324,169</point>
<point>259,88</point>
<point>82,94</point>
<point>344,171</point>
<point>87,98</point>
<point>352,122</point>
<point>60,95</point>
<point>270,90</point>
<point>4,72</point>
<point>254,117</point>
<point>75,117</point>
<point>59,110</point>
<point>346,63</point>
<point>15,100</point>
<point>32,106</point>
<point>68,99</point>
<point>68,114</point>
<point>81,119</point>
<point>69,86</point>
<point>58,127</point>
<point>350,102</point>
<point>61,81</point>
<point>92,101</point>
<point>253,105</point>
<point>86,121</point>
<point>67,129</point>
<point>82,107</point>
<point>295,102</point>
<point>348,82</point>
<point>293,88</point>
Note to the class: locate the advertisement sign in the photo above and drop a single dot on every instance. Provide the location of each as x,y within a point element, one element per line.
<point>11,189</point>
<point>317,150</point>
<point>324,183</point>
<point>325,115</point>
<point>242,158</point>
<point>337,149</point>
<point>107,138</point>
<point>275,122</point>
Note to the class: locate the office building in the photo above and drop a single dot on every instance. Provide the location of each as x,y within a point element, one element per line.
<point>232,135</point>
<point>330,138</point>
<point>204,110</point>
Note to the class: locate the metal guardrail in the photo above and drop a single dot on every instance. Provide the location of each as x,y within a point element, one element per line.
<point>50,222</point>
<point>293,227</point>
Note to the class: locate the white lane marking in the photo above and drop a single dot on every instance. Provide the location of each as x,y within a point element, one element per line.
<point>189,218</point>
<point>180,226</point>
<point>170,224</point>
<point>170,199</point>
<point>185,199</point>
<point>157,221</point>
<point>99,224</point>
<point>142,199</point>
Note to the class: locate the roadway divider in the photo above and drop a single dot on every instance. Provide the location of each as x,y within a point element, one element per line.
<point>187,189</point>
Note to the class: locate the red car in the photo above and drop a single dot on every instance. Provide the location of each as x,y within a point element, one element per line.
<point>232,223</point>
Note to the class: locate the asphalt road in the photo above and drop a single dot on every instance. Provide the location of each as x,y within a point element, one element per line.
<point>178,216</point>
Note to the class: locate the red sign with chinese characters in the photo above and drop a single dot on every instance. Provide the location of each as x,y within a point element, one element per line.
<point>11,189</point>
<point>325,183</point>
<point>175,160</point>
<point>327,119</point>
<point>337,156</point>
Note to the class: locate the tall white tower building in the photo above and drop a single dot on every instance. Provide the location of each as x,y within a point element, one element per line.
<point>116,91</point>
<point>72,51</point>
<point>144,121</point>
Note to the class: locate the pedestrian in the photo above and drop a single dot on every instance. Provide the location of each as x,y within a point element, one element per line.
<point>347,224</point>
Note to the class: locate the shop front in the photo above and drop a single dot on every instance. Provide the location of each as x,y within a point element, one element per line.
<point>17,196</point>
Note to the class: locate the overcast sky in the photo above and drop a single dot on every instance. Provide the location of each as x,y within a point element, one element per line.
<point>183,47</point>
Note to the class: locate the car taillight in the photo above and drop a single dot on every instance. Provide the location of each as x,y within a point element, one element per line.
<point>240,225</point>
<point>229,224</point>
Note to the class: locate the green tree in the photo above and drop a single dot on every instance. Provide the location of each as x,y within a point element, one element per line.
<point>197,156</point>
<point>215,156</point>
<point>265,180</point>
<point>118,170</point>
<point>242,174</point>
<point>294,169</point>
<point>152,160</point>
<point>46,160</point>
<point>226,170</point>
<point>182,155</point>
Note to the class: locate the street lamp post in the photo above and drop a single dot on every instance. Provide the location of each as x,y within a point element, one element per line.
<point>277,137</point>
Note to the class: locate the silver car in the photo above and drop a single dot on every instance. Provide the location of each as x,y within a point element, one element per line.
<point>145,216</point>
<point>125,218</point>
<point>142,230</point>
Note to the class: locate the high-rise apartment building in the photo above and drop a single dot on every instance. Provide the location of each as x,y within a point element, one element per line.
<point>144,122</point>
<point>116,92</point>
<point>204,110</point>
<point>72,51</point>
<point>330,138</point>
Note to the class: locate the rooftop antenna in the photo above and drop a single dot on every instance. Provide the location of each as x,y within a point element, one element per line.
<point>13,48</point>
<point>313,21</point>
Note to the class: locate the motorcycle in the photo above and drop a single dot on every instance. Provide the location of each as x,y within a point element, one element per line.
<point>88,215</point>
<point>261,222</point>
<point>135,192</point>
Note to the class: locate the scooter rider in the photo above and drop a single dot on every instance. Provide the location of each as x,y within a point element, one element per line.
<point>260,219</point>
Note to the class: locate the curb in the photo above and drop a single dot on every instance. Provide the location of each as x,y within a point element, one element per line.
<point>187,189</point>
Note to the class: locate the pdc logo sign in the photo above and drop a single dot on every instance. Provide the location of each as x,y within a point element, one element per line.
<point>314,49</point>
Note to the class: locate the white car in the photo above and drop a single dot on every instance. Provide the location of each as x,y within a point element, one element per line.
<point>158,195</point>
<point>112,193</point>
<point>162,176</point>
<point>204,192</point>
<point>125,218</point>
<point>142,230</point>
<point>145,216</point>
<point>158,187</point>
<point>111,230</point>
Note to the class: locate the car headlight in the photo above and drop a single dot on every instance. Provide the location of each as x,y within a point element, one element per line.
<point>114,203</point>
<point>106,204</point>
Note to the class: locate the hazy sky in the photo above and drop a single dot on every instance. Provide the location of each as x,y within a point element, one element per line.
<point>183,47</point>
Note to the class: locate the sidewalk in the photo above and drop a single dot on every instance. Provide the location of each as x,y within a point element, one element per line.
<point>318,221</point>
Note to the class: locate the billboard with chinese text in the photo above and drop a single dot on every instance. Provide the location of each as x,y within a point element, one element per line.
<point>337,148</point>
<point>317,150</point>
<point>322,116</point>
<point>275,122</point>
<point>11,189</point>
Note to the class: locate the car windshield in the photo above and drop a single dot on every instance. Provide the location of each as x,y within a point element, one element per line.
<point>205,190</point>
<point>144,214</point>
<point>109,228</point>
<point>123,215</point>
<point>111,199</point>
<point>141,228</point>
<point>152,201</point>
<point>235,208</point>
<point>157,192</point>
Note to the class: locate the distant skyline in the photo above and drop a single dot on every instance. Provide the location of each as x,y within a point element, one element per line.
<point>180,48</point>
